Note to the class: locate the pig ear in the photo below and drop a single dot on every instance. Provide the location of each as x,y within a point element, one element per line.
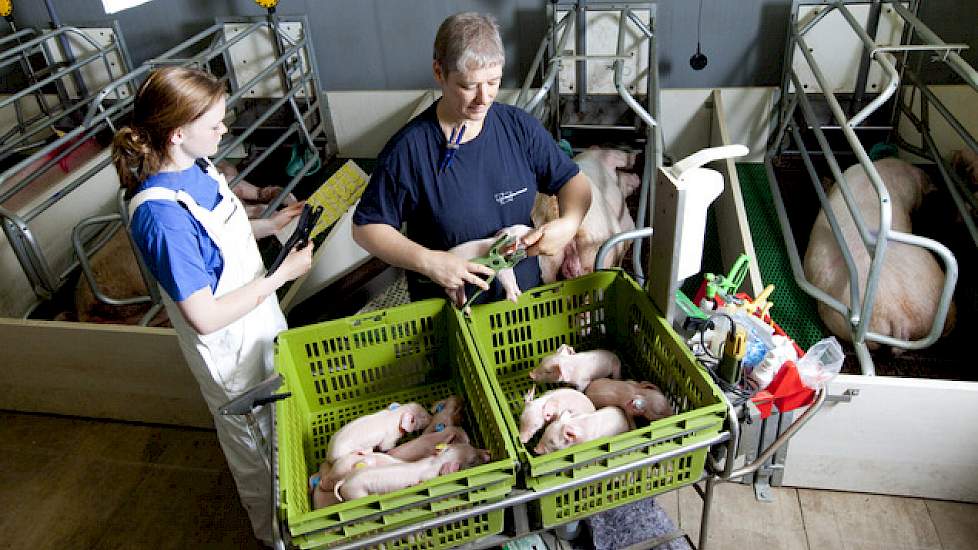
<point>485,456</point>
<point>549,409</point>
<point>648,385</point>
<point>570,432</point>
<point>565,349</point>
<point>636,404</point>
<point>530,393</point>
<point>564,415</point>
<point>407,422</point>
<point>449,467</point>
<point>559,370</point>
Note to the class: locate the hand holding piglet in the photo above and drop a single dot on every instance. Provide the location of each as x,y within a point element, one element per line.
<point>578,369</point>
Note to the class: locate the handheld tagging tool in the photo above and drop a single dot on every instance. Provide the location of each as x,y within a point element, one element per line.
<point>300,237</point>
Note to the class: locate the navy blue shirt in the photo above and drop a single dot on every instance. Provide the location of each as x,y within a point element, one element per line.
<point>491,184</point>
<point>176,247</point>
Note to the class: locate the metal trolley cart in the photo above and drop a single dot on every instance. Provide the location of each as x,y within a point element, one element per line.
<point>816,116</point>
<point>337,370</point>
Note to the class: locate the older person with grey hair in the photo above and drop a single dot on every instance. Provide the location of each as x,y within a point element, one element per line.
<point>464,169</point>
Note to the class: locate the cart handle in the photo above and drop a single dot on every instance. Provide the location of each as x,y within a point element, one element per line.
<point>747,469</point>
<point>255,397</point>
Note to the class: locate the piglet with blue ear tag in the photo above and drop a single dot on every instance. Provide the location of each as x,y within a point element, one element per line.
<point>635,398</point>
<point>377,431</point>
<point>445,413</point>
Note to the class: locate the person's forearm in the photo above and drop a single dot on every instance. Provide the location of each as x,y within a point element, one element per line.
<point>388,244</point>
<point>207,314</point>
<point>574,198</point>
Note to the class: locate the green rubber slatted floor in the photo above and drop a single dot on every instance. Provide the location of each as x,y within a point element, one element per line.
<point>793,309</point>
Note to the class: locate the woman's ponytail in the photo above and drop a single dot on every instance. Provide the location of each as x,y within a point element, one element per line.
<point>134,158</point>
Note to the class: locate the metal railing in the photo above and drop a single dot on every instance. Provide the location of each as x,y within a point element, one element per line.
<point>795,113</point>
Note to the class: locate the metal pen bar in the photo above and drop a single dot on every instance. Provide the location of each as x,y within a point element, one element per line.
<point>653,144</point>
<point>955,124</point>
<point>553,65</point>
<point>808,114</point>
<point>894,77</point>
<point>953,60</point>
<point>56,76</point>
<point>46,150</point>
<point>258,121</point>
<point>261,157</point>
<point>22,240</point>
<point>63,192</point>
<point>42,39</point>
<point>66,49</point>
<point>634,234</point>
<point>876,265</point>
<point>523,497</point>
<point>233,99</point>
<point>847,258</point>
<point>956,195</point>
<point>790,243</point>
<point>872,27</point>
<point>82,255</point>
<point>619,85</point>
<point>943,304</point>
<point>273,206</point>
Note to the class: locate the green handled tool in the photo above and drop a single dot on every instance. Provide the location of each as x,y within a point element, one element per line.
<point>505,253</point>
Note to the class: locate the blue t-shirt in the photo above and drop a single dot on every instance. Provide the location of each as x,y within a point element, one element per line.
<point>176,247</point>
<point>491,184</point>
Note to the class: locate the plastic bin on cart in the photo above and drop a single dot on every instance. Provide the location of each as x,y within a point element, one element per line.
<point>340,370</point>
<point>606,310</point>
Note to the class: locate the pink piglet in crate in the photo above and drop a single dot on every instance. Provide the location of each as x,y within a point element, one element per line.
<point>386,479</point>
<point>426,443</point>
<point>538,412</point>
<point>636,398</point>
<point>445,413</point>
<point>577,368</point>
<point>377,431</point>
<point>573,429</point>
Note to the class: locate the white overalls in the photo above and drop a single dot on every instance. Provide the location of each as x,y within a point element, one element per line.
<point>233,359</point>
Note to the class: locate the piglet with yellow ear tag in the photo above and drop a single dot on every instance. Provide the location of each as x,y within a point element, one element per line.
<point>377,431</point>
<point>386,479</point>
<point>324,481</point>
<point>425,444</point>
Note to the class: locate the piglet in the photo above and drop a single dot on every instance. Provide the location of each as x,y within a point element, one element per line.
<point>635,398</point>
<point>573,429</point>
<point>379,430</point>
<point>480,247</point>
<point>447,412</point>
<point>425,444</point>
<point>577,369</point>
<point>539,411</point>
<point>386,479</point>
<point>324,481</point>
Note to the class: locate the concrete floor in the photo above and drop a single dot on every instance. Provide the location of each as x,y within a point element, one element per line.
<point>70,483</point>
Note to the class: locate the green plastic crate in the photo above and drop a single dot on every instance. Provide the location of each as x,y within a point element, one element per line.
<point>607,310</point>
<point>340,370</point>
